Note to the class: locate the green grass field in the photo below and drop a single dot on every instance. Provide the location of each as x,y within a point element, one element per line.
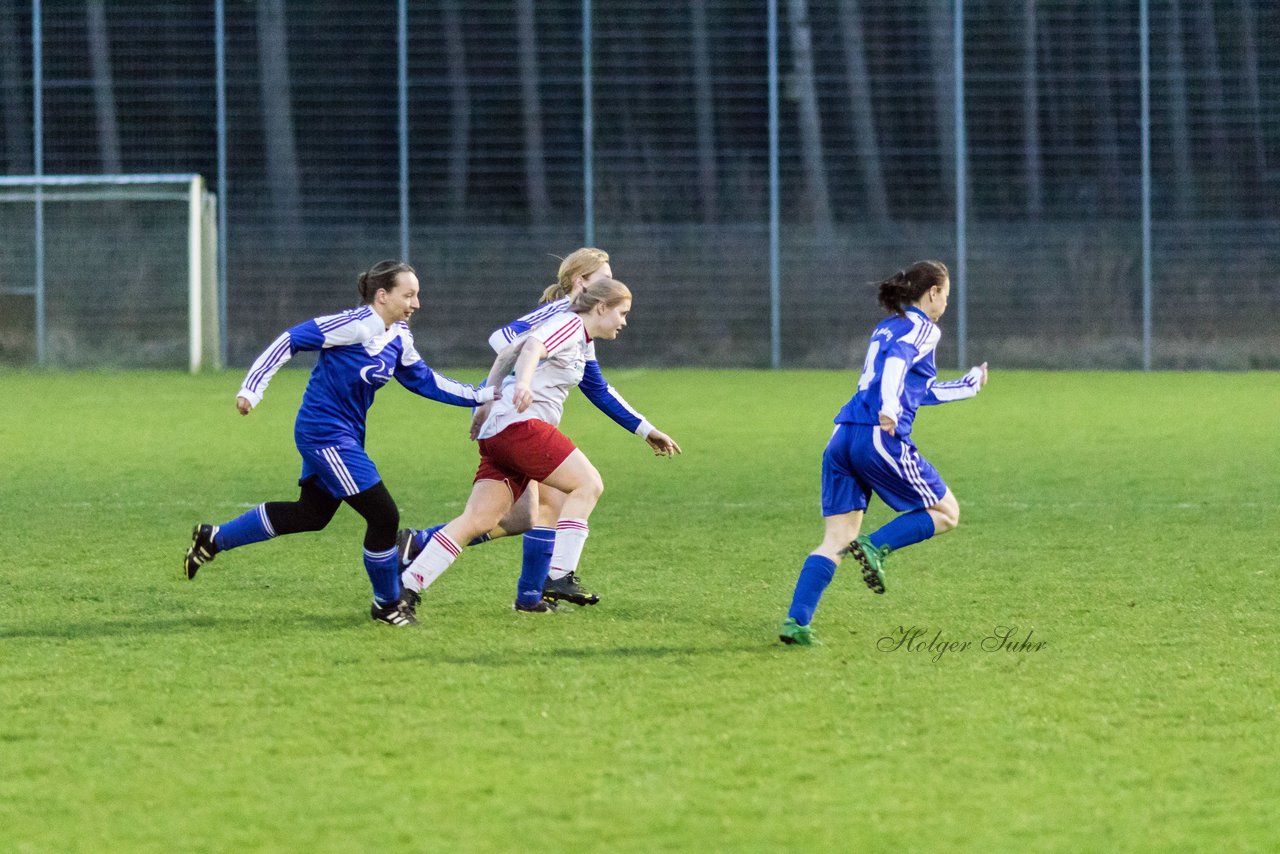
<point>1130,522</point>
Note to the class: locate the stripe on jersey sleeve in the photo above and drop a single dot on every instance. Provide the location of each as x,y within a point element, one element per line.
<point>522,324</point>
<point>926,339</point>
<point>563,335</point>
<point>265,366</point>
<point>350,327</point>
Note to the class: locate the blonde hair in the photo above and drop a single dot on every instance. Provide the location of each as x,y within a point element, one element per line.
<point>580,262</point>
<point>606,292</point>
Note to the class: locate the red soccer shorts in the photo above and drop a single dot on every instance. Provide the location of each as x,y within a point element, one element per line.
<point>525,451</point>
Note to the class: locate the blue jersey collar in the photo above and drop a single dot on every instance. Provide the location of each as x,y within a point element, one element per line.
<point>917,310</point>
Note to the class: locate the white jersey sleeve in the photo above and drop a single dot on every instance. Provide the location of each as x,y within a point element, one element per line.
<point>516,329</point>
<point>951,390</point>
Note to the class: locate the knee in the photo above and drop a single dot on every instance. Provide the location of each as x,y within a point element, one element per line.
<point>947,516</point>
<point>380,531</point>
<point>313,519</point>
<point>592,487</point>
<point>312,523</point>
<point>480,520</point>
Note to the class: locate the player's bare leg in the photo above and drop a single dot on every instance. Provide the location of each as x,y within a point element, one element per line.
<point>570,493</point>
<point>489,501</point>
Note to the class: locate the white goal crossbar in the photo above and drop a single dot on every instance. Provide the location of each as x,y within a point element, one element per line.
<point>205,305</point>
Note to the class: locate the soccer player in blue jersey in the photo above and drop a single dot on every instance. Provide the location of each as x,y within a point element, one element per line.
<point>360,351</point>
<point>871,449</point>
<point>537,510</point>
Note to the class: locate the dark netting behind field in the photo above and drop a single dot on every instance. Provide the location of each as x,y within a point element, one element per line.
<point>679,174</point>
<point>115,277</point>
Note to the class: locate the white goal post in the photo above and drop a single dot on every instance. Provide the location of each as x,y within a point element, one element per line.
<point>51,226</point>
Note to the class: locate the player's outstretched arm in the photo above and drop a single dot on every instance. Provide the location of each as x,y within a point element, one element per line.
<point>662,444</point>
<point>952,390</point>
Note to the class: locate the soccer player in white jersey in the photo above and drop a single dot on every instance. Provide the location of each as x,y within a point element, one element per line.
<point>871,449</point>
<point>537,510</point>
<point>520,443</point>
<point>360,351</point>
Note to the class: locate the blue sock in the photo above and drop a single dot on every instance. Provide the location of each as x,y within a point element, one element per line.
<point>538,545</point>
<point>250,527</point>
<point>424,536</point>
<point>815,575</point>
<point>384,574</point>
<point>908,529</point>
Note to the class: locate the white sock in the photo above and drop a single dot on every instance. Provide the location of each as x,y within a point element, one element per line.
<point>571,536</point>
<point>431,562</point>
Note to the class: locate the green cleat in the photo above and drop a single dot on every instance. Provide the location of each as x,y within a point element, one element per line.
<point>792,632</point>
<point>872,561</point>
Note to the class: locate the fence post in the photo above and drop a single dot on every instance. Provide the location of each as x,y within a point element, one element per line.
<point>775,300</point>
<point>37,156</point>
<point>962,184</point>
<point>402,120</point>
<point>588,133</point>
<point>1144,52</point>
<point>220,87</point>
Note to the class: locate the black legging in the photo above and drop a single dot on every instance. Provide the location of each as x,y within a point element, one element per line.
<point>315,508</point>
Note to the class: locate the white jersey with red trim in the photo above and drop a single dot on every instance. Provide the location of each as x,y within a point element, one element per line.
<point>569,348</point>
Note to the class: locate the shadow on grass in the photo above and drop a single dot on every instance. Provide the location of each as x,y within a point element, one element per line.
<point>522,658</point>
<point>143,626</point>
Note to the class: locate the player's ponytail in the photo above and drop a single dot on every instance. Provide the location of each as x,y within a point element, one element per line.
<point>606,292</point>
<point>905,287</point>
<point>580,262</point>
<point>381,276</point>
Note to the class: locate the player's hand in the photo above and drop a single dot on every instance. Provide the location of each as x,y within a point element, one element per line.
<point>662,444</point>
<point>523,397</point>
<point>982,379</point>
<point>243,406</point>
<point>478,418</point>
<point>888,424</point>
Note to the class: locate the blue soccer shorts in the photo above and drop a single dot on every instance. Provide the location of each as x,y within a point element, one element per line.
<point>862,458</point>
<point>343,470</point>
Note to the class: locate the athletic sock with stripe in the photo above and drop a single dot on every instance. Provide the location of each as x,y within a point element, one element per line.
<point>251,527</point>
<point>571,536</point>
<point>431,563</point>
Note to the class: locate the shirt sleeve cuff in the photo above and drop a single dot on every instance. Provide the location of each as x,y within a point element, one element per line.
<point>644,428</point>
<point>253,397</point>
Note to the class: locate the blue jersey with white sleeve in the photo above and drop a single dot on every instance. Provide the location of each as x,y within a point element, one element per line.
<point>359,354</point>
<point>594,386</point>
<point>899,374</point>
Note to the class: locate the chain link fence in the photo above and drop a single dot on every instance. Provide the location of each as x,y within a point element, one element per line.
<point>750,166</point>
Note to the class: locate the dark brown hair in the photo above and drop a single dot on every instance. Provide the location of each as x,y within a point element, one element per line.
<point>906,286</point>
<point>381,276</point>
